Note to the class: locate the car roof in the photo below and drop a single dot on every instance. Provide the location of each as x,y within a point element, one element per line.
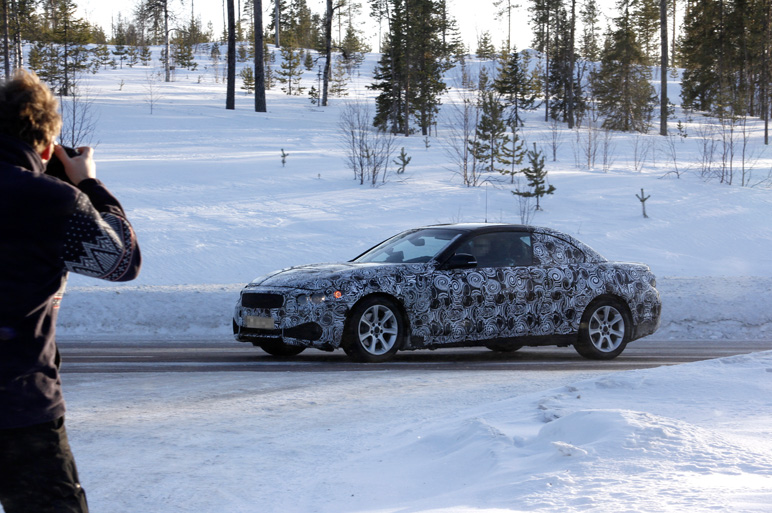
<point>481,226</point>
<point>592,255</point>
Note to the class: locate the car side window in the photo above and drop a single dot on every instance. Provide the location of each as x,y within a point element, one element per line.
<point>500,249</point>
<point>551,250</point>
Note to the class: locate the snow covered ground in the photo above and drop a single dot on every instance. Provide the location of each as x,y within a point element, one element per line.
<point>694,437</point>
<point>214,207</point>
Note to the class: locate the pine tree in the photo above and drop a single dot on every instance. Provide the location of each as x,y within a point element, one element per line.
<point>536,175</point>
<point>269,57</point>
<point>182,52</point>
<point>409,74</point>
<point>621,85</point>
<point>313,95</point>
<point>512,154</point>
<point>701,78</point>
<point>247,79</point>
<point>491,135</point>
<point>565,88</point>
<point>452,45</point>
<point>389,79</point>
<point>145,55</point>
<point>426,65</point>
<point>485,49</point>
<point>157,12</point>
<point>101,58</point>
<point>64,35</point>
<point>723,51</point>
<point>291,70</point>
<point>43,60</point>
<point>120,52</point>
<point>242,53</point>
<point>339,78</point>
<point>353,49</point>
<point>132,56</point>
<point>215,55</point>
<point>513,84</point>
<point>590,16</point>
<point>303,27</point>
<point>645,20</point>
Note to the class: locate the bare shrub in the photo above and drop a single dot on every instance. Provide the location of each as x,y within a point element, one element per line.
<point>607,147</point>
<point>368,151</point>
<point>462,129</point>
<point>78,118</point>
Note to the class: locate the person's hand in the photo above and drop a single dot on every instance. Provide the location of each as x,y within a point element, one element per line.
<point>79,167</point>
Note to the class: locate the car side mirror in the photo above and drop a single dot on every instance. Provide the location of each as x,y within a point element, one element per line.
<point>461,261</point>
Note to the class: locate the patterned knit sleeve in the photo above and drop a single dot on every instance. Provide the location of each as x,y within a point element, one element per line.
<point>101,244</point>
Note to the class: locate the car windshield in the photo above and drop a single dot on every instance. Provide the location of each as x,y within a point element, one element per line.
<point>417,246</point>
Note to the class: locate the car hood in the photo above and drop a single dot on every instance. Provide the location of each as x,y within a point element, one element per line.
<point>323,276</point>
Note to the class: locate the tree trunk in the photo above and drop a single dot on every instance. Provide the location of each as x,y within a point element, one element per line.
<point>166,42</point>
<point>18,53</point>
<point>230,97</point>
<point>277,15</point>
<point>327,53</point>
<point>663,68</point>
<point>547,76</point>
<point>66,86</point>
<point>407,68</point>
<point>260,105</point>
<point>571,59</point>
<point>6,53</point>
<point>765,72</point>
<point>673,42</point>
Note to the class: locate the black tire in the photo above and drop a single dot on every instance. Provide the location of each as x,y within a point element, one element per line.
<point>503,346</point>
<point>276,348</point>
<point>604,331</point>
<point>374,331</point>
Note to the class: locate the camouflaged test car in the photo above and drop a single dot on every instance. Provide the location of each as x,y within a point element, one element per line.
<point>493,285</point>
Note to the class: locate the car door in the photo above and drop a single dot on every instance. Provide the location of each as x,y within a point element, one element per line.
<point>560,266</point>
<point>492,297</point>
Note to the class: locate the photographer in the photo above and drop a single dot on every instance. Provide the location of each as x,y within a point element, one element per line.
<point>47,228</point>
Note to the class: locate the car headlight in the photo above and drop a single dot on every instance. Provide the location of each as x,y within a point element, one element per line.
<point>319,297</point>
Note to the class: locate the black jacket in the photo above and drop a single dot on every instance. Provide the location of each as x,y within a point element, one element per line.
<point>47,228</point>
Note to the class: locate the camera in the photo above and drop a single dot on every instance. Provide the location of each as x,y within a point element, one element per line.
<point>55,167</point>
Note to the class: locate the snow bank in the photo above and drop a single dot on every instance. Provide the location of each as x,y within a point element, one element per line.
<point>694,308</point>
<point>693,437</point>
<point>655,440</point>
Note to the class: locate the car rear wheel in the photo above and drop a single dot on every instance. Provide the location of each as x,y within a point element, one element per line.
<point>276,348</point>
<point>604,331</point>
<point>374,331</point>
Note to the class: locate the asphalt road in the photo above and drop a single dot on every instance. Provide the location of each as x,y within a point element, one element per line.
<point>228,356</point>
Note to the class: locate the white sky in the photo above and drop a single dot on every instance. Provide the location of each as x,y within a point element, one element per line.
<point>473,17</point>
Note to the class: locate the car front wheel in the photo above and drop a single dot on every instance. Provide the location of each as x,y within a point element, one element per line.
<point>374,331</point>
<point>604,331</point>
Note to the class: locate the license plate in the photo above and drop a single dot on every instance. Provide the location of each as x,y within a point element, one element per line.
<point>261,323</point>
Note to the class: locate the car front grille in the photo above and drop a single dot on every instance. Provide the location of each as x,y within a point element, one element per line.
<point>262,300</point>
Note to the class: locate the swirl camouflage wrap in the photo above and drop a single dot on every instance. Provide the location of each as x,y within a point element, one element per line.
<point>531,303</point>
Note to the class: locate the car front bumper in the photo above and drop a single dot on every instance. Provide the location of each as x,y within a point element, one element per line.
<point>263,314</point>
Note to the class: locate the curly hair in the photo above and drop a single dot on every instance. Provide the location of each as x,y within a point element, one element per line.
<point>29,111</point>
